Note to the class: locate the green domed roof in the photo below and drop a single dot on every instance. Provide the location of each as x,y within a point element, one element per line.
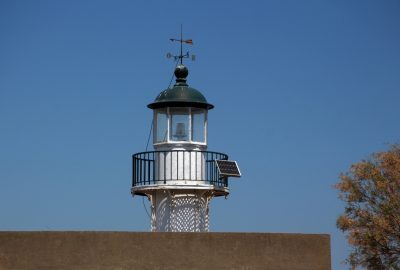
<point>181,95</point>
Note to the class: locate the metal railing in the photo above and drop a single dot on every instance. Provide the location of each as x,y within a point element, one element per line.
<point>177,166</point>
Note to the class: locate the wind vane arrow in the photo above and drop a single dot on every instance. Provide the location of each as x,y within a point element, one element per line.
<point>181,41</point>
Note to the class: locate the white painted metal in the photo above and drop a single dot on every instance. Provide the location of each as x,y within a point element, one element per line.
<point>180,199</point>
<point>180,211</point>
<point>168,142</point>
<point>181,167</point>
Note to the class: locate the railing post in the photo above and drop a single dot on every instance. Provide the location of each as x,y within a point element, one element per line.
<point>153,167</point>
<point>165,171</point>
<point>177,164</point>
<point>133,171</point>
<point>145,168</point>
<point>148,168</point>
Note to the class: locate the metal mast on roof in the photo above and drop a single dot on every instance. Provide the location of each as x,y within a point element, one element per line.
<point>181,55</point>
<point>181,46</point>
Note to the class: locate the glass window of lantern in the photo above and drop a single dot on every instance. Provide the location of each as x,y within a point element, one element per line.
<point>161,126</point>
<point>198,125</point>
<point>179,129</point>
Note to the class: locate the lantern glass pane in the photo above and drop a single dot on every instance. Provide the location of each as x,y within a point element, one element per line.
<point>162,124</point>
<point>198,125</point>
<point>179,124</point>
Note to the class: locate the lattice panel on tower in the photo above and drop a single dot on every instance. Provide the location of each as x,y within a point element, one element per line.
<point>185,215</point>
<point>180,213</point>
<point>188,214</point>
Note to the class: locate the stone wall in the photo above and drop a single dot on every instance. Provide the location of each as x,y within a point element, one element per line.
<point>138,250</point>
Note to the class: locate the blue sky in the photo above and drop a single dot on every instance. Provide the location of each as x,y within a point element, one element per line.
<point>302,89</point>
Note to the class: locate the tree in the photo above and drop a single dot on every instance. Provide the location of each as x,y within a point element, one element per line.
<point>371,220</point>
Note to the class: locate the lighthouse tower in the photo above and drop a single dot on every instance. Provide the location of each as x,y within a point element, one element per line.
<point>180,176</point>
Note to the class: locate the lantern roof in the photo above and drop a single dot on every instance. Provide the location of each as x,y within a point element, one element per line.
<point>180,95</point>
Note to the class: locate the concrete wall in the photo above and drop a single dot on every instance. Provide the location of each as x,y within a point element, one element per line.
<point>127,250</point>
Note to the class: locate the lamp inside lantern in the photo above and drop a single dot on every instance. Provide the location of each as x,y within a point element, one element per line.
<point>180,133</point>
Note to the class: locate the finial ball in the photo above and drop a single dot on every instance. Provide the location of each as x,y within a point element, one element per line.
<point>181,72</point>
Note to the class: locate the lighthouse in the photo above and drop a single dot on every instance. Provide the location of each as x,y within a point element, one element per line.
<point>180,177</point>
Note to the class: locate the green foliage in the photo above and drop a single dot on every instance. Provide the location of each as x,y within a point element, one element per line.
<point>371,220</point>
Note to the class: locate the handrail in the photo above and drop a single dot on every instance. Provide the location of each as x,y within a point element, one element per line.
<point>177,167</point>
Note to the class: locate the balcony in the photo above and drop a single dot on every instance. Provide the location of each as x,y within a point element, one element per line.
<point>177,168</point>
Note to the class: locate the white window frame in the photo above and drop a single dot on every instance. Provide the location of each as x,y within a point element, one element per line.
<point>189,141</point>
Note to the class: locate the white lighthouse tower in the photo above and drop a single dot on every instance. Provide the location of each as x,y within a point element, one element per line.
<point>180,176</point>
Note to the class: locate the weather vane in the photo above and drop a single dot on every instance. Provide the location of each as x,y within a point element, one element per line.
<point>181,56</point>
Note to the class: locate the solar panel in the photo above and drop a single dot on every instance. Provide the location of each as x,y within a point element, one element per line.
<point>228,168</point>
